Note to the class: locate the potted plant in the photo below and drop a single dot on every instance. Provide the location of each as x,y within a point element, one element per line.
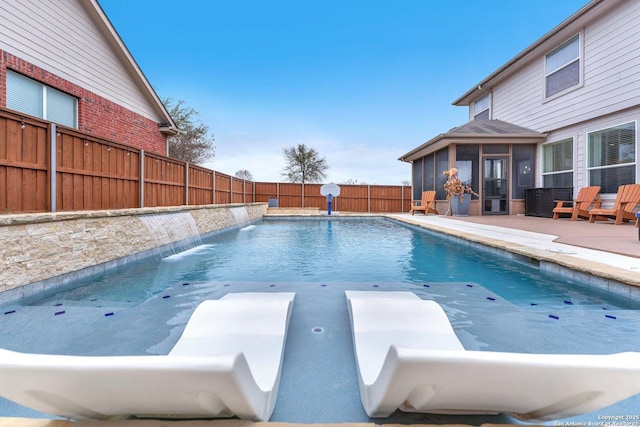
<point>458,194</point>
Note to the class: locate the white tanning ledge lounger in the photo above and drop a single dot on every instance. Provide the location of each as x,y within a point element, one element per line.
<point>227,362</point>
<point>408,357</point>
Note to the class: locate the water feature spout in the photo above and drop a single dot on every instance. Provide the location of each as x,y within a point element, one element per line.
<point>176,229</point>
<point>240,214</point>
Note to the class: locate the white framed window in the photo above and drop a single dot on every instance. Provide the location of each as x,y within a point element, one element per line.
<point>481,108</point>
<point>557,163</point>
<point>36,99</point>
<point>611,157</point>
<point>562,67</point>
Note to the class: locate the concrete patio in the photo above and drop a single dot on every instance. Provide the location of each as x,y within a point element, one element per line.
<point>600,235</point>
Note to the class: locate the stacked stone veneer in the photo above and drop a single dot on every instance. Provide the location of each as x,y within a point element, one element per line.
<point>39,251</point>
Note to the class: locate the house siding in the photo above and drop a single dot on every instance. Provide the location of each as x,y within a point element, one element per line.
<point>579,134</point>
<point>60,36</point>
<point>611,78</point>
<point>96,115</point>
<point>59,45</point>
<point>608,94</point>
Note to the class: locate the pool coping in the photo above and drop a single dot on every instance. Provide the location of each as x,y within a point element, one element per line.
<point>617,273</point>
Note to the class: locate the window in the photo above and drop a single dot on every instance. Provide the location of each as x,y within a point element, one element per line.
<point>612,157</point>
<point>441,165</point>
<point>524,157</point>
<point>481,108</point>
<point>417,178</point>
<point>562,67</point>
<point>423,174</point>
<point>557,163</point>
<point>429,173</point>
<point>495,149</point>
<point>32,97</point>
<point>468,164</point>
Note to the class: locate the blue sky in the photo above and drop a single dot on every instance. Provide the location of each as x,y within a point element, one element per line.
<point>361,81</point>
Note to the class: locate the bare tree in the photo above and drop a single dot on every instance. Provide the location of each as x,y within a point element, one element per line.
<point>304,165</point>
<point>353,181</point>
<point>192,144</point>
<point>405,182</point>
<point>244,174</point>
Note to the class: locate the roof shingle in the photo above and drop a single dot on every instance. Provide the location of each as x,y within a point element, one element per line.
<point>491,127</point>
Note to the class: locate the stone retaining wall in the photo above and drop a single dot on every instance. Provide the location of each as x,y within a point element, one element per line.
<point>44,250</point>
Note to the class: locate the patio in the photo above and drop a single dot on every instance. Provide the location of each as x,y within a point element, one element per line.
<point>603,236</point>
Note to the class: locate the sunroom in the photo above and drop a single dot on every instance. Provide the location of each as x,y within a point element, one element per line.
<point>497,159</point>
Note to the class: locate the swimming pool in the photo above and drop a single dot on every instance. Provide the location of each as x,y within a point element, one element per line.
<point>493,303</point>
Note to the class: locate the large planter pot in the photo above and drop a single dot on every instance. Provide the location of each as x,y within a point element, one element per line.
<point>460,208</point>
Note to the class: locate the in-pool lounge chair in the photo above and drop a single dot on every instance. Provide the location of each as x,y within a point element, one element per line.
<point>588,198</point>
<point>409,358</point>
<point>427,204</point>
<point>227,362</point>
<point>624,207</point>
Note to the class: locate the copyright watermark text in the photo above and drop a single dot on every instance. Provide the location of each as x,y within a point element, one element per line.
<point>604,421</point>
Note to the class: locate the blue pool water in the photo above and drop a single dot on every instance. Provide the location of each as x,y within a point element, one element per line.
<point>492,302</point>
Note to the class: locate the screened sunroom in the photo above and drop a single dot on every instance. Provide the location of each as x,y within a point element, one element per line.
<point>497,159</point>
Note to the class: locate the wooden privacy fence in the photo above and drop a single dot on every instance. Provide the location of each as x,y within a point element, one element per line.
<point>50,168</point>
<point>353,198</point>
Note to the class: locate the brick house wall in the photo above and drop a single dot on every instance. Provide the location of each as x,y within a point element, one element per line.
<point>96,115</point>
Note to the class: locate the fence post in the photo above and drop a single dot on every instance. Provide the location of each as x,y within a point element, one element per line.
<point>244,191</point>
<point>303,194</point>
<point>52,167</point>
<point>402,199</point>
<point>368,198</point>
<point>213,188</point>
<point>186,184</point>
<point>142,178</point>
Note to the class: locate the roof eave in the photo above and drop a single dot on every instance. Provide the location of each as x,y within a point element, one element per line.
<point>484,136</point>
<point>96,12</point>
<point>168,129</point>
<point>411,155</point>
<point>444,140</point>
<point>488,82</point>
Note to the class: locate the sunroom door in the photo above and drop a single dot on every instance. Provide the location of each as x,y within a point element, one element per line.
<point>495,186</point>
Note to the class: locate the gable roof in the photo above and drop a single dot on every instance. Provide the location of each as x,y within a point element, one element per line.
<point>541,47</point>
<point>477,132</point>
<point>106,28</point>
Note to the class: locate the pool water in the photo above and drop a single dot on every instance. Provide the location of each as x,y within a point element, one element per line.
<point>492,302</point>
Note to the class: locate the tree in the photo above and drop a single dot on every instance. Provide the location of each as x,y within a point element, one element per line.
<point>304,165</point>
<point>405,182</point>
<point>244,174</point>
<point>354,181</point>
<point>192,144</point>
